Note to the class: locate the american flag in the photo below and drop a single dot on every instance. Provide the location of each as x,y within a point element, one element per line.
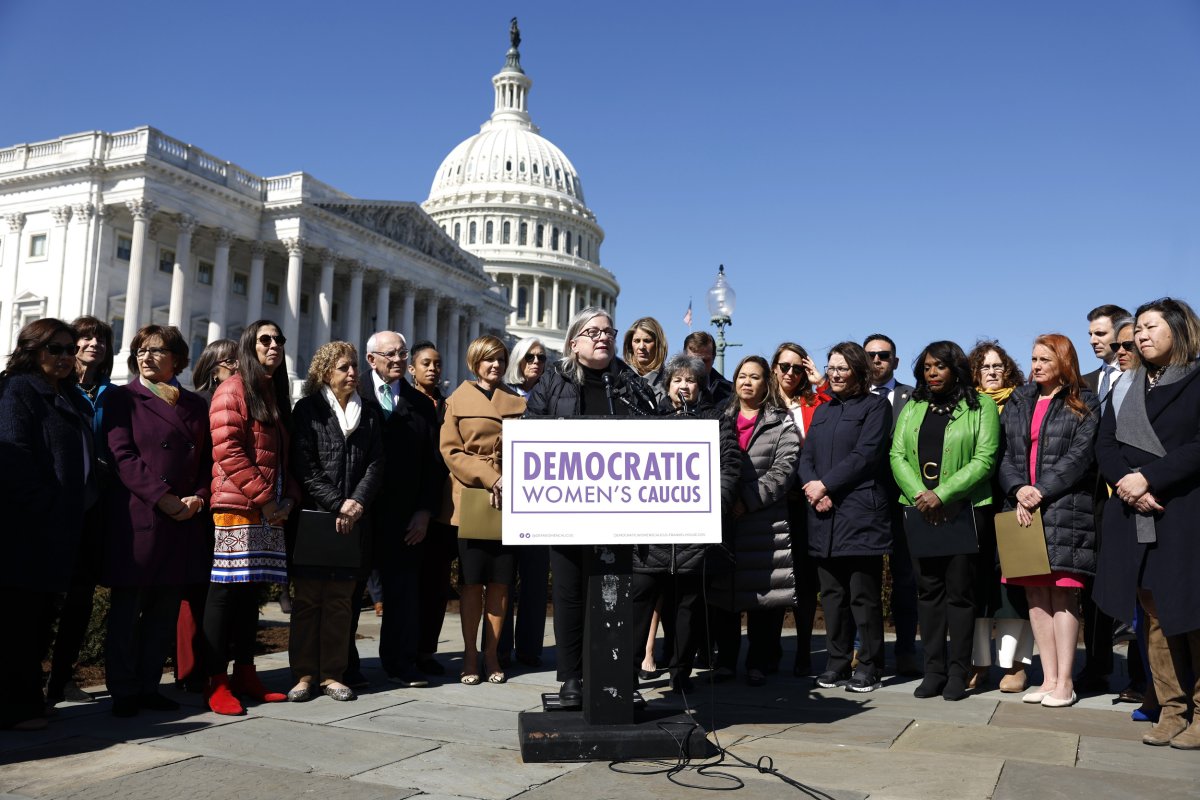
<point>687,317</point>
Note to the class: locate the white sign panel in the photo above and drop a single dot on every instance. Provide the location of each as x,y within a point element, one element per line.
<point>612,481</point>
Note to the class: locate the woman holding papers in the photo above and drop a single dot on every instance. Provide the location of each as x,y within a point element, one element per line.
<point>1049,467</point>
<point>471,445</point>
<point>943,456</point>
<point>1150,451</point>
<point>337,456</point>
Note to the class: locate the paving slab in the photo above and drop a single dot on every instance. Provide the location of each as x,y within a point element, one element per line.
<point>502,697</point>
<point>216,779</point>
<point>890,773</point>
<point>1046,747</point>
<point>1136,758</point>
<point>868,731</point>
<point>297,746</point>
<point>440,722</point>
<point>599,782</point>
<point>1022,781</point>
<point>60,767</point>
<point>149,726</point>
<point>1081,721</point>
<point>488,773</point>
<point>323,710</point>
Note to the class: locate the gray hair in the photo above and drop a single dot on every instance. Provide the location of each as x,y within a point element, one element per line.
<point>1120,323</point>
<point>513,375</point>
<point>570,362</point>
<point>682,362</point>
<point>373,342</point>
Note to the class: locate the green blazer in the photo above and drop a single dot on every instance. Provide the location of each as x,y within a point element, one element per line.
<point>968,454</point>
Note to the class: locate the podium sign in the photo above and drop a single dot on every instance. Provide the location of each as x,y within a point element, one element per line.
<point>612,481</point>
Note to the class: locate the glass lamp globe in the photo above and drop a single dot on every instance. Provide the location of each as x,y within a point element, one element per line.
<point>721,297</point>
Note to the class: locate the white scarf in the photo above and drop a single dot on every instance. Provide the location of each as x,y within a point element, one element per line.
<point>347,417</point>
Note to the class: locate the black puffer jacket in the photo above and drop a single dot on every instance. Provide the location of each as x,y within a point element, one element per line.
<point>693,558</point>
<point>332,467</point>
<point>557,395</point>
<point>1066,473</point>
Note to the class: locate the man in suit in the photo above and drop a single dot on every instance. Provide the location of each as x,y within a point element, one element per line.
<point>409,499</point>
<point>1103,323</point>
<point>881,350</point>
<point>701,345</point>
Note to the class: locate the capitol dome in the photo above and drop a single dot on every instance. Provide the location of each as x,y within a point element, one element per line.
<point>512,198</point>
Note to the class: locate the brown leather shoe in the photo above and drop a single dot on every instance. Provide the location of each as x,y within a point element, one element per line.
<point>1014,680</point>
<point>1165,731</point>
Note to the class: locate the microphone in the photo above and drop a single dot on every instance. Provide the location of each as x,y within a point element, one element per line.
<point>684,394</point>
<point>608,392</point>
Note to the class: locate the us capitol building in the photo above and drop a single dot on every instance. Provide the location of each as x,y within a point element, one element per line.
<point>137,227</point>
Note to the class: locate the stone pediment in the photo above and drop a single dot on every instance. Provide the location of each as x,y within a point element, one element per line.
<point>406,224</point>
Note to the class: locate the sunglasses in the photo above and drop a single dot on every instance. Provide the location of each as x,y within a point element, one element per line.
<point>784,368</point>
<point>266,339</point>
<point>55,349</point>
<point>538,357</point>
<point>1126,346</point>
<point>880,355</point>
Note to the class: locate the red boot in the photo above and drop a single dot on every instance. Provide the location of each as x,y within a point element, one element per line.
<point>220,699</point>
<point>245,681</point>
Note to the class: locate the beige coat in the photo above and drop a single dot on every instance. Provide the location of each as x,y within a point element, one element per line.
<point>471,437</point>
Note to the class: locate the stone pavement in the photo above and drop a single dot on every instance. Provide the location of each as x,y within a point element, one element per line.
<point>451,740</point>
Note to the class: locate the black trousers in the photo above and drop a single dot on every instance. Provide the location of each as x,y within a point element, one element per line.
<point>1097,634</point>
<point>567,563</point>
<point>807,588</point>
<point>440,550</point>
<point>75,614</point>
<point>946,605</point>
<point>140,636</point>
<point>528,599</point>
<point>400,631</point>
<point>25,631</point>
<point>851,597</point>
<point>682,614</point>
<point>230,618</point>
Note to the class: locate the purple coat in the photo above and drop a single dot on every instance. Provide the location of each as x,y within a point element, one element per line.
<point>156,449</point>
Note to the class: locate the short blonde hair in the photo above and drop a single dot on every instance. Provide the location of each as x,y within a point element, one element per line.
<point>323,362</point>
<point>485,347</point>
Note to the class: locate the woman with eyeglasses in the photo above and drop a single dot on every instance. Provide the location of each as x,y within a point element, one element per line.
<point>217,362</point>
<point>528,596</point>
<point>337,456</point>
<point>1149,451</point>
<point>158,436</point>
<point>576,386</point>
<point>47,459</point>
<point>645,349</point>
<point>943,457</point>
<point>1049,466</point>
<point>843,471</point>
<point>795,375</point>
<point>1128,360</point>
<point>93,368</point>
<point>999,606</point>
<point>253,493</point>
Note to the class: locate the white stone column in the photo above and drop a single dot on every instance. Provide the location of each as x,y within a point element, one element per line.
<point>431,318</point>
<point>256,283</point>
<point>512,300</point>
<point>354,313</point>
<point>408,313</point>
<point>56,251</point>
<point>554,307</point>
<point>223,237</point>
<point>535,305</point>
<point>291,315</point>
<point>474,327</point>
<point>76,276</point>
<point>587,298</point>
<point>323,319</point>
<point>142,211</point>
<point>452,356</point>
<point>8,284</point>
<point>181,271</point>
<point>383,302</point>
<point>574,300</point>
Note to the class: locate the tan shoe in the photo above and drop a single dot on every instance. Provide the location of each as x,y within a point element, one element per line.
<point>379,609</point>
<point>1165,730</point>
<point>1189,739</point>
<point>978,678</point>
<point>1014,680</point>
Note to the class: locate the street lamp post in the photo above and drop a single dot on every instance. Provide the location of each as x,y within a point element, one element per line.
<point>721,300</point>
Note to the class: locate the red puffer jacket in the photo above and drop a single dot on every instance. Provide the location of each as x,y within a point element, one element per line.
<point>247,455</point>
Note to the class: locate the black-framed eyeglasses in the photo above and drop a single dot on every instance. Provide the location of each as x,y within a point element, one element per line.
<point>344,367</point>
<point>879,355</point>
<point>839,370</point>
<point>392,355</point>
<point>230,363</point>
<point>1126,346</point>
<point>992,368</point>
<point>266,339</point>
<point>152,352</point>
<point>596,334</point>
<point>784,368</point>
<point>538,357</point>
<point>55,349</point>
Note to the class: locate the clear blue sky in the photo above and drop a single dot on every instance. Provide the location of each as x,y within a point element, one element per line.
<point>931,169</point>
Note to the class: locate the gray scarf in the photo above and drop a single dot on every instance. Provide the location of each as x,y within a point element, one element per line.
<point>1135,430</point>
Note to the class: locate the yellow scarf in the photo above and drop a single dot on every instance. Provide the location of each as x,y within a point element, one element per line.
<point>999,396</point>
<point>164,391</point>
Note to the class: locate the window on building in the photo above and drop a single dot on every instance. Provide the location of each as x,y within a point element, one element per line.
<point>508,165</point>
<point>37,245</point>
<point>523,234</point>
<point>554,238</point>
<point>124,249</point>
<point>522,165</point>
<point>506,233</point>
<point>304,302</point>
<point>522,303</point>
<point>535,168</point>
<point>335,312</point>
<point>541,232</point>
<point>204,273</point>
<point>487,232</point>
<point>118,326</point>
<point>240,283</point>
<point>166,260</point>
<point>271,294</point>
<point>568,242</point>
<point>458,232</point>
<point>471,233</point>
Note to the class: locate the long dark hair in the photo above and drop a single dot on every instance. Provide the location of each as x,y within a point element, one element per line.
<point>30,341</point>
<point>769,377</point>
<point>952,355</point>
<point>204,371</point>
<point>268,398</point>
<point>1185,327</point>
<point>89,327</point>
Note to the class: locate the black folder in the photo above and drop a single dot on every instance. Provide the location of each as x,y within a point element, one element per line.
<point>318,544</point>
<point>953,537</point>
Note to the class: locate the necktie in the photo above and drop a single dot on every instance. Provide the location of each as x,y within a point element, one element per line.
<point>385,400</point>
<point>882,391</point>
<point>1105,381</point>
